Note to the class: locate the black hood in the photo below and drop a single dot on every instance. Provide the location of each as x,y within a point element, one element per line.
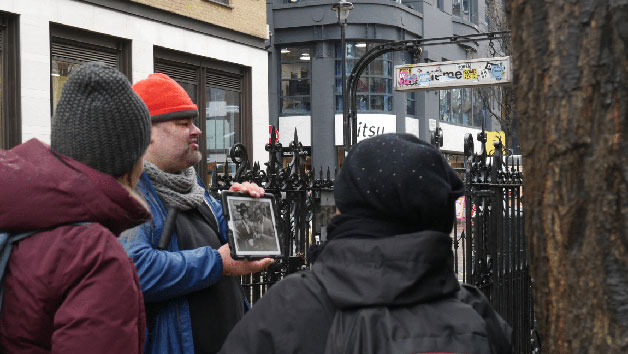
<point>398,178</point>
<point>396,270</point>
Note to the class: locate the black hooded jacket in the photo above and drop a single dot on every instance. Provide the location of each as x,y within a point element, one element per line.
<point>396,294</point>
<point>384,283</point>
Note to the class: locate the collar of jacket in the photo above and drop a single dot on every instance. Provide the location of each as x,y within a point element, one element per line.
<point>396,270</point>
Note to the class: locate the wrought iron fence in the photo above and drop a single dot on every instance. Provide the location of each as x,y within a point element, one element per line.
<point>493,240</point>
<point>304,203</point>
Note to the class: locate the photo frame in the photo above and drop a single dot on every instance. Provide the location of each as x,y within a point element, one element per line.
<point>252,226</point>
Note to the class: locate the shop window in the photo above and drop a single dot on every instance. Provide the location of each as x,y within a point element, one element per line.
<point>223,95</point>
<point>462,106</point>
<point>465,106</point>
<point>71,47</point>
<point>411,103</point>
<point>456,106</point>
<point>10,122</point>
<point>445,105</point>
<point>375,86</point>
<point>295,80</point>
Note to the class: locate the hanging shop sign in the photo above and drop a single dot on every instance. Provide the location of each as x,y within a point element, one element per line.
<point>453,74</point>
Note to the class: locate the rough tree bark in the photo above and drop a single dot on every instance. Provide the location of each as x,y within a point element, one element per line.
<point>571,84</point>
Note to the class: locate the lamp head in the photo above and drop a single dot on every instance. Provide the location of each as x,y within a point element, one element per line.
<point>342,8</point>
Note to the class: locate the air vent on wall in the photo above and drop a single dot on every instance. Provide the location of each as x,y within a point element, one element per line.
<point>178,73</point>
<point>76,54</point>
<point>232,82</point>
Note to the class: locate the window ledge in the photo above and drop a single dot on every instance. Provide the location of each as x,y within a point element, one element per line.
<point>219,3</point>
<point>458,19</point>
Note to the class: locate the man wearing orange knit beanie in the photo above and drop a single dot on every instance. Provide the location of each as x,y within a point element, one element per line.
<point>191,284</point>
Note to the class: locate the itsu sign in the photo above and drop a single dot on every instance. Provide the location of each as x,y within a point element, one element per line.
<point>368,125</point>
<point>452,74</point>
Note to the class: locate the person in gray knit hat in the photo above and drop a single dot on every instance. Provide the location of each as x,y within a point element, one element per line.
<point>62,209</point>
<point>100,121</point>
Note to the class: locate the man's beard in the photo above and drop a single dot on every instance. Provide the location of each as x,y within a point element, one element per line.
<point>192,157</point>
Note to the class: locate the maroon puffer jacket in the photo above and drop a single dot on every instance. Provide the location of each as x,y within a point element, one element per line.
<point>72,289</point>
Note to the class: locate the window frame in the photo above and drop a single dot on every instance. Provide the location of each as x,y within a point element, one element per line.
<point>282,80</point>
<point>205,67</point>
<point>10,104</point>
<point>473,99</point>
<point>366,75</point>
<point>410,96</point>
<point>76,39</point>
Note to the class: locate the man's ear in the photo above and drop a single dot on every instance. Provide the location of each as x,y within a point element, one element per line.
<point>152,135</point>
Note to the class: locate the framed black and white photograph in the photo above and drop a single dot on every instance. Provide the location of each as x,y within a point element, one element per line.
<point>252,225</point>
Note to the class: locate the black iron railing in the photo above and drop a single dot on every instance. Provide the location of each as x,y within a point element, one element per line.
<point>491,242</point>
<point>494,241</point>
<point>304,203</point>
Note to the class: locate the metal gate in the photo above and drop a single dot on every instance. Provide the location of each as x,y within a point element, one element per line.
<point>491,244</point>
<point>493,240</point>
<point>304,203</point>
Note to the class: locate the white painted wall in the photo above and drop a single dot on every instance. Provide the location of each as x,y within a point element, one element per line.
<point>412,126</point>
<point>35,16</point>
<point>453,137</point>
<point>288,124</point>
<point>368,125</point>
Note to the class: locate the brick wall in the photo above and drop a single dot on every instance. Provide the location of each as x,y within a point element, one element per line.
<point>246,16</point>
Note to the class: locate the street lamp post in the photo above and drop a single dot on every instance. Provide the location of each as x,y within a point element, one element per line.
<point>342,9</point>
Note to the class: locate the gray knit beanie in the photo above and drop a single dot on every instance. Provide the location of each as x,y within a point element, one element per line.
<point>100,121</point>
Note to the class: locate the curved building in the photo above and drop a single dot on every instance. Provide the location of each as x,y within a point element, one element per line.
<point>305,72</point>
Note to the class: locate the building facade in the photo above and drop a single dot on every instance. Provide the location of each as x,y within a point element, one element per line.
<point>215,48</point>
<point>305,72</point>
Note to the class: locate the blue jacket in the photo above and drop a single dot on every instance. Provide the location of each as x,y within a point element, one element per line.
<point>167,276</point>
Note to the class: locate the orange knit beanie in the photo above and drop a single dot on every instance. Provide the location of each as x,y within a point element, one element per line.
<point>165,98</point>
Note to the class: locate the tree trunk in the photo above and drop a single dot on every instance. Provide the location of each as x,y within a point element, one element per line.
<point>570,65</point>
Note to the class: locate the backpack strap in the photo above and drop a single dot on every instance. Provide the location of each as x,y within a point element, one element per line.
<point>7,240</point>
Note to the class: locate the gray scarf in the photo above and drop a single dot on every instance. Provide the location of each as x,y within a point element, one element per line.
<point>180,190</point>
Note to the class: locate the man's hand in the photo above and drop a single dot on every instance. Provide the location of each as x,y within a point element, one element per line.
<point>232,267</point>
<point>253,189</point>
